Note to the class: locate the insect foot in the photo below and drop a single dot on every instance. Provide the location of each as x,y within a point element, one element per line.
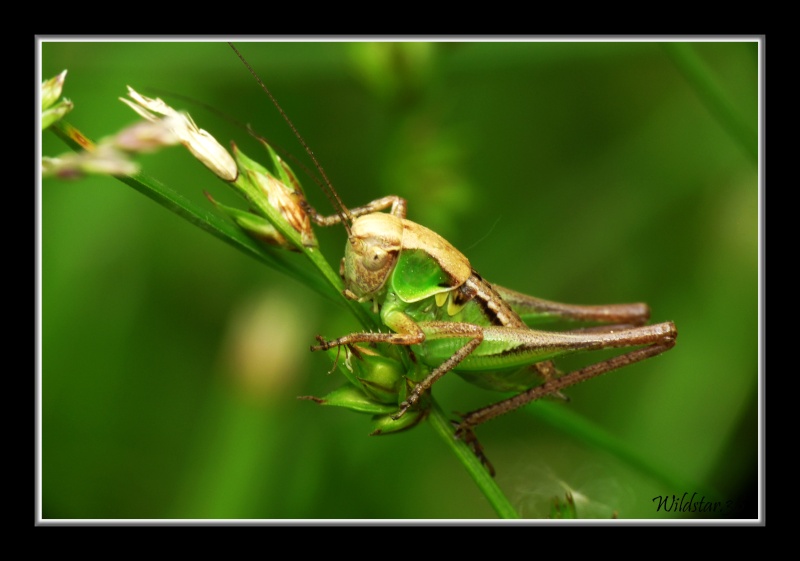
<point>405,406</point>
<point>411,401</point>
<point>323,344</point>
<point>466,432</point>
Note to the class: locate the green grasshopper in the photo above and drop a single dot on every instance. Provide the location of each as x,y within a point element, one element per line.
<point>431,300</point>
<point>429,296</point>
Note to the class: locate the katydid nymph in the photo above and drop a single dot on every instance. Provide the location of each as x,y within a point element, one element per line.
<point>432,302</point>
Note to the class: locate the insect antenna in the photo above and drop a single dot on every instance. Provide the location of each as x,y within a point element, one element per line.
<point>327,188</point>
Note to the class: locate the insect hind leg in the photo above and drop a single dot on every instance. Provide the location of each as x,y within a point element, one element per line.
<point>553,384</point>
<point>556,384</point>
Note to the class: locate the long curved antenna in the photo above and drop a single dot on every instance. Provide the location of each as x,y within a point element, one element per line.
<point>330,192</point>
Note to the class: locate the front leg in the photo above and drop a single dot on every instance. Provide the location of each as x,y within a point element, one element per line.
<point>413,338</point>
<point>406,332</point>
<point>396,205</point>
<point>440,330</point>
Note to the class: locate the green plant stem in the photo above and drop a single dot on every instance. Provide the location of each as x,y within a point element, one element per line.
<point>488,486</point>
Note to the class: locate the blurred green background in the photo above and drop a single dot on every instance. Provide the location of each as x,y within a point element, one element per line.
<point>583,172</point>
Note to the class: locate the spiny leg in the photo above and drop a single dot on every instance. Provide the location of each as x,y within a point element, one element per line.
<point>548,371</point>
<point>475,333</point>
<point>661,336</point>
<point>471,440</point>
<point>480,416</point>
<point>398,208</point>
<point>409,332</point>
<point>536,310</point>
<point>391,338</point>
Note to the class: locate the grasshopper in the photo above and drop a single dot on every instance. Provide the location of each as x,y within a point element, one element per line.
<point>427,293</point>
<point>431,300</point>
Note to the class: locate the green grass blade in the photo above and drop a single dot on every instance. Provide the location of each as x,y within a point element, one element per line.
<point>700,77</point>
<point>487,485</point>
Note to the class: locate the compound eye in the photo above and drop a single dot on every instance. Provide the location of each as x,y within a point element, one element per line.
<point>375,259</point>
